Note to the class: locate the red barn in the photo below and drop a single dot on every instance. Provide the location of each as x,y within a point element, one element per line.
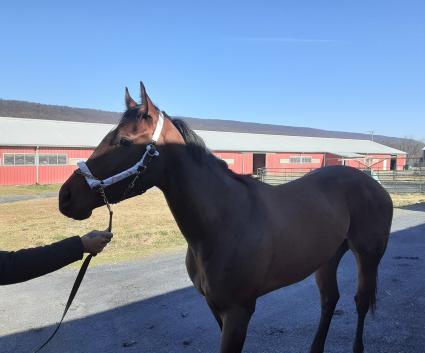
<point>36,151</point>
<point>46,151</point>
<point>246,152</point>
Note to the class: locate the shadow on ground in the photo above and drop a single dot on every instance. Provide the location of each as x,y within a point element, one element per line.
<point>285,320</point>
<point>415,207</point>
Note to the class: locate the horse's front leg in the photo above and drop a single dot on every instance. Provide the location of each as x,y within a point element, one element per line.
<point>235,324</point>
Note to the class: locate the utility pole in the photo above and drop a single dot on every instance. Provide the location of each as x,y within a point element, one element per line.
<point>372,133</point>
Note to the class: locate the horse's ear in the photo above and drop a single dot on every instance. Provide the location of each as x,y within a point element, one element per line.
<point>144,97</point>
<point>129,102</point>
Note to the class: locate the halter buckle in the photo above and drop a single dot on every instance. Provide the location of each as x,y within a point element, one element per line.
<point>141,168</point>
<point>152,151</point>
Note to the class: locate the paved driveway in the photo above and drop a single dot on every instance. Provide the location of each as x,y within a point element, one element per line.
<point>150,306</point>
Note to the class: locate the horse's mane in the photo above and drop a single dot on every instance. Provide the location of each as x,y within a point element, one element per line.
<point>189,136</point>
<point>194,143</point>
<point>197,148</point>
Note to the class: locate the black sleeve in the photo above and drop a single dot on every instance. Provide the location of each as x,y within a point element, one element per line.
<point>22,265</point>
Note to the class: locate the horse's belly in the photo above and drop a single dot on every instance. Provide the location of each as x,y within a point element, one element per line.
<point>294,262</point>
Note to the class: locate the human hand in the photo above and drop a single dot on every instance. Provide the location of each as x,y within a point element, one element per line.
<point>95,241</point>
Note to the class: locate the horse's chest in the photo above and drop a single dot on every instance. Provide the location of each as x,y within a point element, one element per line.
<point>205,274</point>
<point>196,272</point>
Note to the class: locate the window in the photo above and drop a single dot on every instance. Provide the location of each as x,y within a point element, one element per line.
<point>52,159</point>
<point>29,159</point>
<point>9,159</point>
<point>61,159</point>
<point>74,161</point>
<point>18,159</point>
<point>229,161</point>
<point>43,160</point>
<point>300,159</point>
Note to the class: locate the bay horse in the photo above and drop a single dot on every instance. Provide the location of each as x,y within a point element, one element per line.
<point>245,238</point>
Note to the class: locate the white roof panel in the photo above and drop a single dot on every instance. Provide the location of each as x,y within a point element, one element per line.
<point>50,133</point>
<point>54,133</point>
<point>232,141</point>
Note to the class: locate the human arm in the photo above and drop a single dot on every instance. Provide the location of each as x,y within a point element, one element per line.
<point>25,264</point>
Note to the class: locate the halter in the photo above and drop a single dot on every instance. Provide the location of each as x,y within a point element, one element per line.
<point>137,168</point>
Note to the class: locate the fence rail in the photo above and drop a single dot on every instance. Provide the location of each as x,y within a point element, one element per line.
<point>395,181</point>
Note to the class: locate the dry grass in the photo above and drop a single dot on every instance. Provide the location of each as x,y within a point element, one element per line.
<point>142,226</point>
<point>400,200</point>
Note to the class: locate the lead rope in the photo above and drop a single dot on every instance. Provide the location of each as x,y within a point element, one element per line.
<point>87,260</point>
<point>150,153</point>
<point>80,275</point>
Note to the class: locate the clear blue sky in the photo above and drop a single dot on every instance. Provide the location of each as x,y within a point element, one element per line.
<point>342,65</point>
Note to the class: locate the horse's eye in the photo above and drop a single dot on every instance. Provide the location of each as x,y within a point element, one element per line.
<point>125,142</point>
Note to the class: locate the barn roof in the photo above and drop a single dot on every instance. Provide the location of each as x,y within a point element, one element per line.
<point>230,141</point>
<point>50,133</point>
<point>54,133</point>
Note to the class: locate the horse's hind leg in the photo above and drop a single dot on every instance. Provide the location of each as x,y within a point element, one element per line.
<point>327,282</point>
<point>367,267</point>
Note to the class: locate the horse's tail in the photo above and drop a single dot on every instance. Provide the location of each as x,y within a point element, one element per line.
<point>368,282</point>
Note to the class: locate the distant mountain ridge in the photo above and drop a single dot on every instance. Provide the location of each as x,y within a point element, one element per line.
<point>22,109</point>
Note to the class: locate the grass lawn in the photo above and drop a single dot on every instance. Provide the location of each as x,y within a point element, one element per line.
<point>143,225</point>
<point>400,200</point>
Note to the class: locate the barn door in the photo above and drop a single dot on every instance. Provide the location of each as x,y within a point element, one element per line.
<point>259,161</point>
<point>393,165</point>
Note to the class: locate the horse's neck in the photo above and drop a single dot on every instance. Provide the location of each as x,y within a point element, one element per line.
<point>198,194</point>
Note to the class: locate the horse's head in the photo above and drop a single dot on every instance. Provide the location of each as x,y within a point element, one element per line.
<point>121,149</point>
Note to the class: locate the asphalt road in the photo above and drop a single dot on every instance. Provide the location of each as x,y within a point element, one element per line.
<point>150,306</point>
